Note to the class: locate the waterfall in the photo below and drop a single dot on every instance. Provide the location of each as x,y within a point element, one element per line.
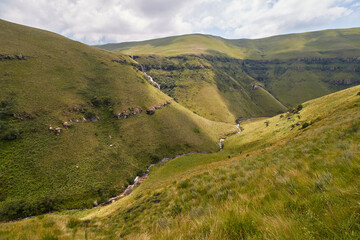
<point>149,77</point>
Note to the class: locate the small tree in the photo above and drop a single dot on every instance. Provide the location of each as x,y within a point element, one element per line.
<point>267,123</point>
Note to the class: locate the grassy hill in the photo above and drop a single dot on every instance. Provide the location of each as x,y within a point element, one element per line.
<point>47,80</point>
<point>327,43</point>
<point>215,88</point>
<point>292,176</point>
<point>215,77</point>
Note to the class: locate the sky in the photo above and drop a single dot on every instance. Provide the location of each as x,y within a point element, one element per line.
<point>108,21</point>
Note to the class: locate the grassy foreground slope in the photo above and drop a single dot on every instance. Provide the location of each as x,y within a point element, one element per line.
<point>275,180</point>
<point>293,68</point>
<point>46,80</point>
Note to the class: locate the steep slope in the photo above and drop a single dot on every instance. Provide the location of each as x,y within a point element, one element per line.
<point>106,136</point>
<point>216,88</point>
<point>293,68</point>
<point>277,179</point>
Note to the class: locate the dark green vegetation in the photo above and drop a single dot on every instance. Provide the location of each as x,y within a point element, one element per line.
<point>280,181</point>
<point>225,80</point>
<point>47,80</point>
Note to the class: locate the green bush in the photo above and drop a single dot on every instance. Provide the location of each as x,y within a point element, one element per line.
<point>73,223</point>
<point>267,123</point>
<point>305,125</point>
<point>11,134</point>
<point>15,209</point>
<point>176,210</point>
<point>89,115</point>
<point>184,184</point>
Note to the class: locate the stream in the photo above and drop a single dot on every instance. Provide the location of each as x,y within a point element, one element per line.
<point>223,139</point>
<point>139,179</point>
<point>149,77</point>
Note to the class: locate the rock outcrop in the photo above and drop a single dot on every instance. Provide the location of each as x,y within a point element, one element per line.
<point>12,57</point>
<point>56,130</point>
<point>150,110</point>
<point>66,125</point>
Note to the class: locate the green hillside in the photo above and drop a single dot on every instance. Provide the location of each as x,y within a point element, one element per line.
<point>216,88</point>
<point>327,43</point>
<point>292,176</point>
<point>215,77</point>
<point>47,80</point>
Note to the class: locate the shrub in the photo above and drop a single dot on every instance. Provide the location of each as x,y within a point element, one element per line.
<point>89,114</point>
<point>196,130</point>
<point>73,223</point>
<point>305,125</point>
<point>184,184</point>
<point>176,210</point>
<point>96,101</point>
<point>296,110</point>
<point>267,123</point>
<point>11,134</point>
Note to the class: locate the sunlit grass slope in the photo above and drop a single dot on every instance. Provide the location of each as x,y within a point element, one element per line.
<point>216,88</point>
<point>327,43</point>
<point>293,68</point>
<point>178,45</point>
<point>63,80</point>
<point>275,180</point>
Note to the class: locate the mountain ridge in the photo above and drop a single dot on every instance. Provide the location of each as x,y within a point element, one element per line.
<point>241,47</point>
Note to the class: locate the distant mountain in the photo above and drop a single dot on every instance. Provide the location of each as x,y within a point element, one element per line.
<point>327,43</point>
<point>224,80</point>
<point>74,126</point>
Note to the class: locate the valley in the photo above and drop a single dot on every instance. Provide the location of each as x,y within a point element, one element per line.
<point>184,137</point>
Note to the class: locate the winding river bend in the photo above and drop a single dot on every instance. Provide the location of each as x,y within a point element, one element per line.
<point>139,179</point>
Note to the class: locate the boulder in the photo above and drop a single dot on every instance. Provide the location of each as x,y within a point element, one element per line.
<point>298,124</point>
<point>95,119</point>
<point>127,191</point>
<point>150,110</point>
<point>24,116</point>
<point>20,57</point>
<point>58,131</point>
<point>9,57</point>
<point>137,111</point>
<point>256,86</point>
<point>66,124</point>
<point>122,115</point>
<point>95,203</point>
<point>158,107</point>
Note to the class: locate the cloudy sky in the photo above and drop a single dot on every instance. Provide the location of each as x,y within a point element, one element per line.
<point>104,21</point>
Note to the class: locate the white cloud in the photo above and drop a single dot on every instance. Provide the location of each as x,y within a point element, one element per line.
<point>96,21</point>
